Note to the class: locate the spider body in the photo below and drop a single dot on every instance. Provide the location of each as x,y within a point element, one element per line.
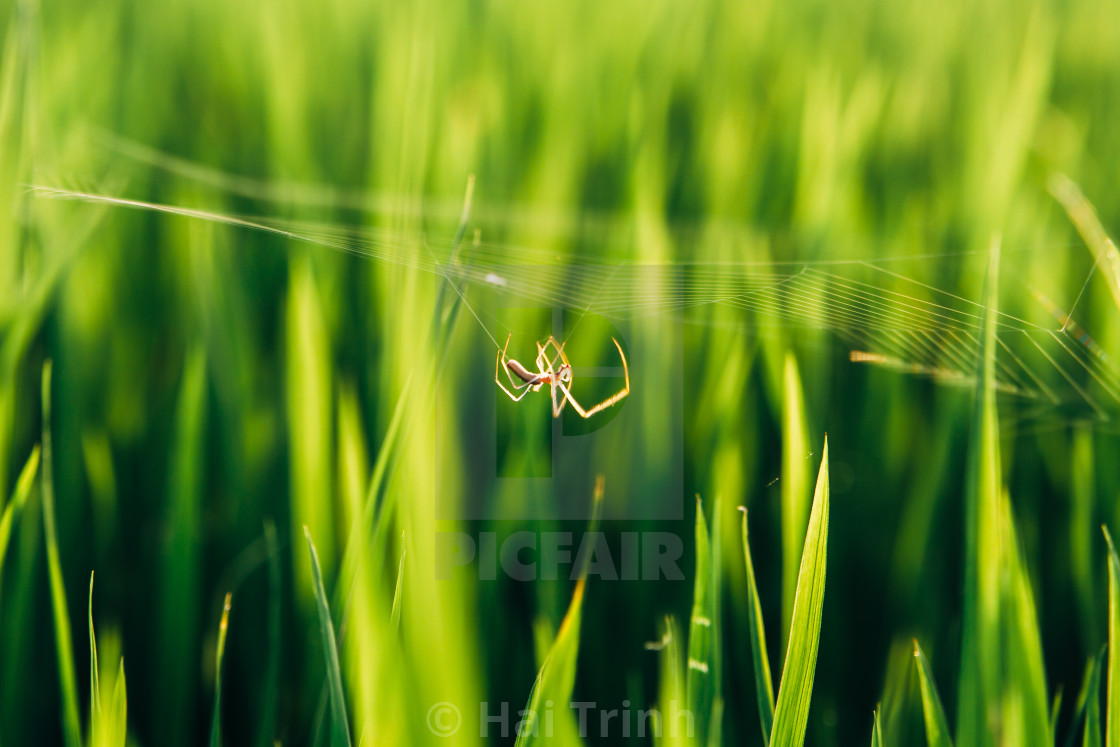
<point>558,379</point>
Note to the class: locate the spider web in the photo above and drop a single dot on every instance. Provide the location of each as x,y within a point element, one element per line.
<point>884,317</point>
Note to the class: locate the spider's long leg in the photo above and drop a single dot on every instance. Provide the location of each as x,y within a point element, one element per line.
<point>609,400</point>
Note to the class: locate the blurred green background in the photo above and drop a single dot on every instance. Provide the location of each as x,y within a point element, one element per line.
<point>210,381</point>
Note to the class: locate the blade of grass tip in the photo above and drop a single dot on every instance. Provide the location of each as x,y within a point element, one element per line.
<point>272,672</point>
<point>395,615</point>
<point>120,707</point>
<point>763,680</point>
<point>223,627</point>
<point>1025,710</point>
<point>937,724</point>
<point>1055,710</point>
<point>1084,217</point>
<point>876,730</point>
<point>715,654</point>
<point>557,676</point>
<point>1112,712</point>
<point>794,486</point>
<point>94,676</point>
<point>667,720</point>
<point>791,713</point>
<point>1092,733</point>
<point>16,502</point>
<point>71,729</point>
<point>340,728</point>
<point>979,676</point>
<point>700,692</point>
<point>1092,674</point>
<point>715,729</point>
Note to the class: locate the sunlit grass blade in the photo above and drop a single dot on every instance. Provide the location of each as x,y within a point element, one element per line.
<point>557,675</point>
<point>791,712</point>
<point>676,723</point>
<point>340,728</point>
<point>1025,708</point>
<point>1091,736</point>
<point>1081,212</point>
<point>395,614</point>
<point>933,712</point>
<point>219,655</point>
<point>876,731</point>
<point>763,680</point>
<point>701,686</point>
<point>794,486</point>
<point>715,726</point>
<point>94,676</point>
<point>272,671</point>
<point>980,671</point>
<point>71,728</point>
<point>120,708</point>
<point>16,502</point>
<point>1112,705</point>
<point>178,630</point>
<point>1055,711</point>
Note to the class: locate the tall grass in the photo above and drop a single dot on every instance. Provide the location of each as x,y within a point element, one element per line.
<point>209,382</point>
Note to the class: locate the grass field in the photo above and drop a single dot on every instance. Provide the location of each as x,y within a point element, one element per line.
<point>275,485</point>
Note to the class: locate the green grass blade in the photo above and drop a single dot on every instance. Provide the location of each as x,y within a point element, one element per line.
<point>395,615</point>
<point>1025,709</point>
<point>1081,212</point>
<point>94,677</point>
<point>1055,711</point>
<point>980,644</point>
<point>677,724</point>
<point>1112,712</point>
<point>120,708</point>
<point>178,630</point>
<point>794,486</point>
<point>876,731</point>
<point>16,502</point>
<point>340,728</point>
<point>763,680</point>
<point>1092,733</point>
<point>71,729</point>
<point>715,727</point>
<point>791,713</point>
<point>937,724</point>
<point>216,721</point>
<point>557,676</point>
<point>701,689</point>
<point>272,671</point>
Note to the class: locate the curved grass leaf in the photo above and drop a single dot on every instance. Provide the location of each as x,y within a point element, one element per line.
<point>1091,691</point>
<point>94,676</point>
<point>272,671</point>
<point>557,676</point>
<point>979,672</point>
<point>791,713</point>
<point>1112,713</point>
<point>223,627</point>
<point>700,691</point>
<point>937,724</point>
<point>763,680</point>
<point>794,487</point>
<point>340,728</point>
<point>19,498</point>
<point>71,729</point>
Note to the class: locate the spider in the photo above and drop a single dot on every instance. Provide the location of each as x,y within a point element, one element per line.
<point>557,379</point>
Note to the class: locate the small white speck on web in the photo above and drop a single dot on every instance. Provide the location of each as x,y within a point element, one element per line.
<point>495,279</point>
<point>698,665</point>
<point>701,620</point>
